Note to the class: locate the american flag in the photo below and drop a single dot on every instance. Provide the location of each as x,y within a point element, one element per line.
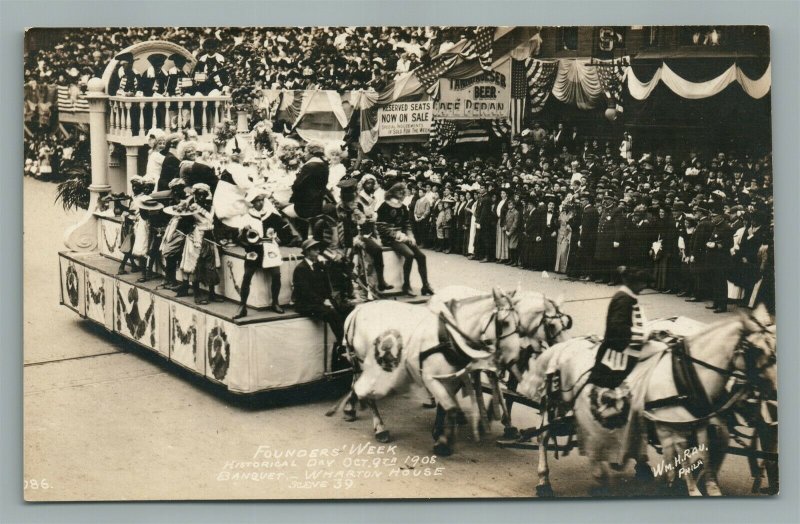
<point>541,75</point>
<point>519,95</point>
<point>428,74</point>
<point>484,37</point>
<point>442,132</point>
<point>611,76</point>
<point>501,127</point>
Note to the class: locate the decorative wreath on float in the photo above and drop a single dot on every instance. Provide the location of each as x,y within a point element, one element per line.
<point>72,285</point>
<point>219,352</point>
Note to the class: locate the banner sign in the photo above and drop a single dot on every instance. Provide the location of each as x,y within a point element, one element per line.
<point>405,118</point>
<point>485,96</point>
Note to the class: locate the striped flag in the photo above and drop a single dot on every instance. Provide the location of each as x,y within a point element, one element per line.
<point>519,95</point>
<point>501,127</point>
<point>611,75</point>
<point>484,38</point>
<point>541,75</point>
<point>428,74</point>
<point>442,132</point>
<point>70,99</point>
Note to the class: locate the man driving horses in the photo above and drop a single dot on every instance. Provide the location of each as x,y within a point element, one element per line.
<point>625,336</point>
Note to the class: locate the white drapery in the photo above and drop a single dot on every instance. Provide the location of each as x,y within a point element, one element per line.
<point>755,88</point>
<point>577,83</point>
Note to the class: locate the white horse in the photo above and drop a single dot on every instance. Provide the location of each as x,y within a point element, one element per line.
<point>741,350</point>
<point>443,367</point>
<point>392,344</point>
<point>542,324</point>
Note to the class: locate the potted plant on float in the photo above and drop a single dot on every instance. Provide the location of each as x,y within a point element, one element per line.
<point>223,132</point>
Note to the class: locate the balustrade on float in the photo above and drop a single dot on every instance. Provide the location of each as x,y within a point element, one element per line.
<point>133,116</point>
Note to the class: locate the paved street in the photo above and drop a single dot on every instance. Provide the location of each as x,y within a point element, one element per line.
<point>104,421</point>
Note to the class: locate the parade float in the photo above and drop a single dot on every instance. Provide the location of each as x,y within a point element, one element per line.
<point>261,352</point>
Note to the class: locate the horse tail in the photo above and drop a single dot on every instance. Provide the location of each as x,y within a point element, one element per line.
<point>350,332</point>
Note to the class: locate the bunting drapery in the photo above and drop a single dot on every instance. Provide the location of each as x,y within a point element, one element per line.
<point>578,83</point>
<point>757,88</point>
<point>540,75</point>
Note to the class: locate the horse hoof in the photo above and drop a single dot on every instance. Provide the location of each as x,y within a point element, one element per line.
<point>349,416</point>
<point>511,432</point>
<point>544,491</point>
<point>442,450</point>
<point>643,473</point>
<point>383,436</point>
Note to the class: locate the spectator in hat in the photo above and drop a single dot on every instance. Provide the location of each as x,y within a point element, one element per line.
<point>587,239</point>
<point>718,247</point>
<point>745,264</point>
<point>501,242</point>
<point>511,228</point>
<point>444,224</point>
<point>639,239</point>
<point>610,241</point>
<point>698,255</point>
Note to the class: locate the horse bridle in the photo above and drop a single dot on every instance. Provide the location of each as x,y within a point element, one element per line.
<point>483,343</point>
<point>498,332</point>
<point>747,375</point>
<point>545,321</point>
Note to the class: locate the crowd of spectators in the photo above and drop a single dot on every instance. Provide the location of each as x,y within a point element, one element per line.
<point>700,224</point>
<point>337,58</point>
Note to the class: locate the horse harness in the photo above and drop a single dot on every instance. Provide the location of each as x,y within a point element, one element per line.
<point>451,350</point>
<point>691,393</point>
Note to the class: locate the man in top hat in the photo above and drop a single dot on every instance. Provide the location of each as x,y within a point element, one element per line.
<point>625,333</point>
<point>309,190</point>
<point>312,290</point>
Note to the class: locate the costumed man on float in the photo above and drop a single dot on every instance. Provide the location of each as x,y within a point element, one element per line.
<point>259,236</point>
<point>178,228</point>
<point>353,229</point>
<point>394,226</point>
<point>368,202</point>
<point>210,79</point>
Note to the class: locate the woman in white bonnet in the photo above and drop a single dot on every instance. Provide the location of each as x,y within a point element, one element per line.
<point>156,158</point>
<point>336,170</point>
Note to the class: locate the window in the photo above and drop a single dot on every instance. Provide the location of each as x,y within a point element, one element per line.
<point>568,38</point>
<point>652,36</point>
<point>701,36</point>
